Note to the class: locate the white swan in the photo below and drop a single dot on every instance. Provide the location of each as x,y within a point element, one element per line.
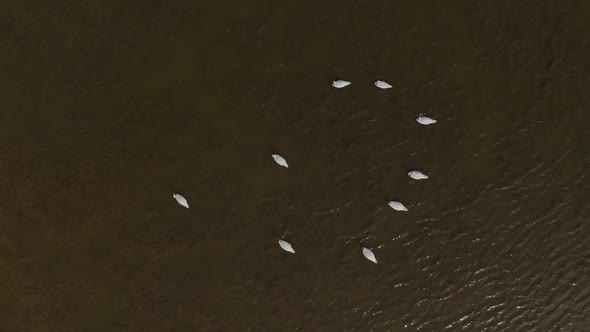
<point>417,175</point>
<point>339,84</point>
<point>286,246</point>
<point>280,160</point>
<point>383,85</point>
<point>181,200</point>
<point>369,255</point>
<point>424,120</point>
<point>398,206</point>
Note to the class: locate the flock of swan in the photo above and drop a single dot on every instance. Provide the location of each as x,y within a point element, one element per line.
<point>396,205</point>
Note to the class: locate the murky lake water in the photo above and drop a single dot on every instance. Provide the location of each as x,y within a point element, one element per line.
<point>109,109</point>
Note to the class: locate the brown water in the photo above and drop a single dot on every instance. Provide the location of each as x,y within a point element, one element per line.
<point>109,109</point>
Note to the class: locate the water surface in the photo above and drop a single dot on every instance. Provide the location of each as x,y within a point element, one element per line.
<point>110,108</point>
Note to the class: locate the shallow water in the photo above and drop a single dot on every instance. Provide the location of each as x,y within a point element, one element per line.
<point>109,109</point>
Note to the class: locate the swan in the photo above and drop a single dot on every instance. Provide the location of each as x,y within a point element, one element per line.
<point>181,200</point>
<point>383,85</point>
<point>424,120</point>
<point>280,160</point>
<point>398,206</point>
<point>369,255</point>
<point>286,246</point>
<point>417,175</point>
<point>339,84</point>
